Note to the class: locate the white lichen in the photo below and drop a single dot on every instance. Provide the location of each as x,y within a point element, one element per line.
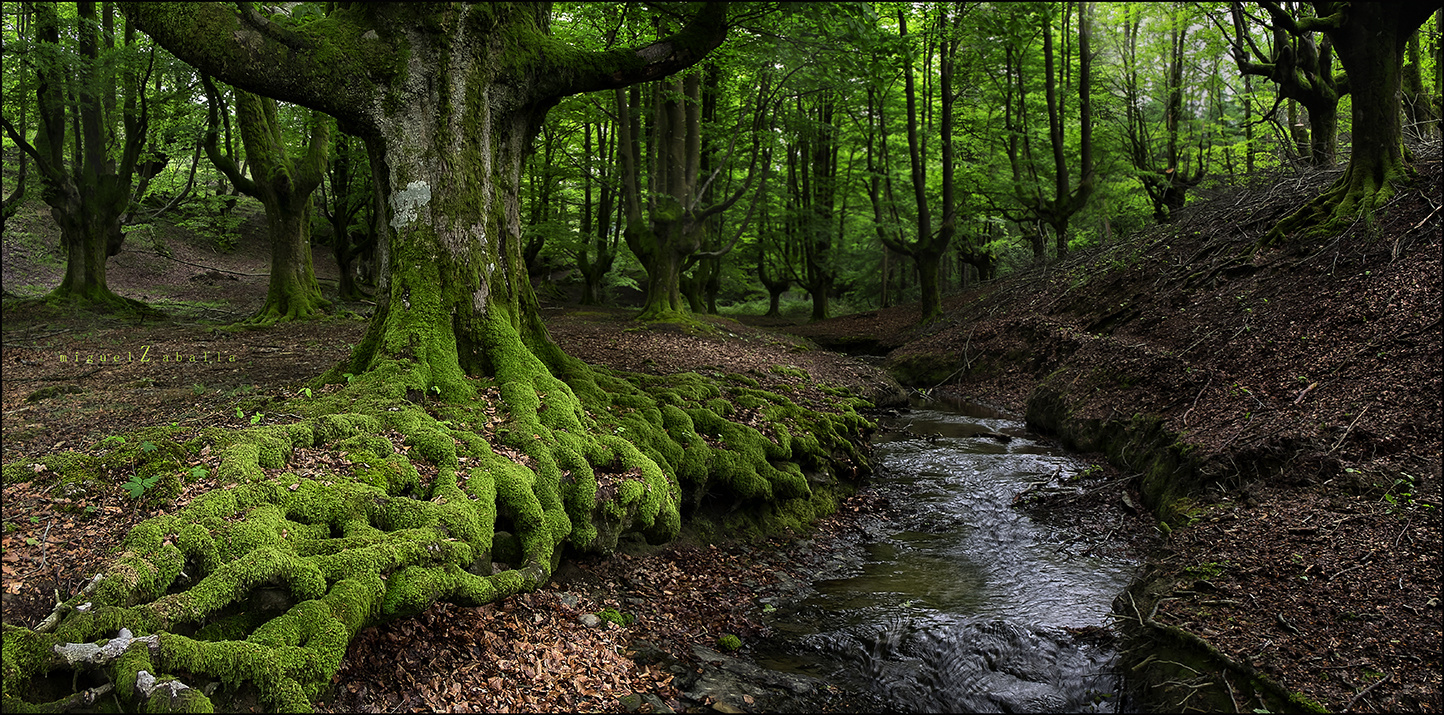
<point>406,202</point>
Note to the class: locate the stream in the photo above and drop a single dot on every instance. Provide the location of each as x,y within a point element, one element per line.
<point>959,602</point>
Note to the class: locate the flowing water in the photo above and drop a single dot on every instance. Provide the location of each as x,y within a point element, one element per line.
<point>961,603</point>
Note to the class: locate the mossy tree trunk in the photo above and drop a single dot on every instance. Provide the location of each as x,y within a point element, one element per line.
<point>284,186</point>
<point>448,99</point>
<point>666,231</point>
<point>1303,68</point>
<point>89,191</point>
<point>1370,40</point>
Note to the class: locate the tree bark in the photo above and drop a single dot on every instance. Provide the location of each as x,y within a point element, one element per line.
<point>284,186</point>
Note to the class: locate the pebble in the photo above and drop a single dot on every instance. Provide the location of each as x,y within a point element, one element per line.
<point>589,620</point>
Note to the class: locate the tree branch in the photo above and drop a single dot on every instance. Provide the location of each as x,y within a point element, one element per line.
<point>574,71</point>
<point>334,65</point>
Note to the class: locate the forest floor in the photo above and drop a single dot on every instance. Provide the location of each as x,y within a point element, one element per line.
<point>1317,366</point>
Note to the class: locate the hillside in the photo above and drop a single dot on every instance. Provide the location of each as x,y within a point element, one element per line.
<point>1282,408</point>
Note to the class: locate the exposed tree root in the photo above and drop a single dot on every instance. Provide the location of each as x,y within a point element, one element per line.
<point>264,582</point>
<point>1357,194</point>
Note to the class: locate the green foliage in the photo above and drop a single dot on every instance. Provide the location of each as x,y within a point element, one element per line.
<point>728,642</point>
<point>138,485</point>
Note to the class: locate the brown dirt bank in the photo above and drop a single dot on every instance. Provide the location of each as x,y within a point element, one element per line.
<point>1292,395</point>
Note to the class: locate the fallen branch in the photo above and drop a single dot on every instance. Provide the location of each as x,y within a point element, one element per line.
<point>213,268</point>
<point>1347,431</point>
<point>84,698</point>
<point>61,609</point>
<point>91,655</point>
<point>1366,691</point>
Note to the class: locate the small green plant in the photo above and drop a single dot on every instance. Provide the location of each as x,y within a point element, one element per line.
<point>137,486</point>
<point>199,472</point>
<point>768,608</point>
<point>306,391</point>
<point>729,642</point>
<point>198,389</point>
<point>114,439</point>
<point>256,418</point>
<point>240,413</point>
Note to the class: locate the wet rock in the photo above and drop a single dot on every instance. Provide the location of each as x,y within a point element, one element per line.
<point>645,653</point>
<point>726,680</point>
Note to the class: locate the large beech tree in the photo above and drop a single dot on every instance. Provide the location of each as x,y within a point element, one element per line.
<point>284,185</point>
<point>448,98</point>
<point>1370,39</point>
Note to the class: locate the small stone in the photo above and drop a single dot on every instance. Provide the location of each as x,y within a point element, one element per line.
<point>657,705</point>
<point>725,707</point>
<point>567,599</point>
<point>630,703</point>
<point>590,620</point>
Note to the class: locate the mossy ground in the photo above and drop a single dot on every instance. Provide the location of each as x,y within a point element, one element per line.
<point>262,582</point>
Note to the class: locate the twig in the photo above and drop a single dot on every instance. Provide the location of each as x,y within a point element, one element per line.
<point>1228,685</point>
<point>1365,691</point>
<point>1195,400</point>
<point>1351,568</point>
<point>1347,431</point>
<point>53,619</point>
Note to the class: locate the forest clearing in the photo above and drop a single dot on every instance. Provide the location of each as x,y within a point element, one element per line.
<point>549,358</point>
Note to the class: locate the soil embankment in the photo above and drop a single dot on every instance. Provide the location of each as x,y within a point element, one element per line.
<point>1278,409</point>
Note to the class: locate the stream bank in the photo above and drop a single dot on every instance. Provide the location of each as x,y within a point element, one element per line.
<point>1278,410</point>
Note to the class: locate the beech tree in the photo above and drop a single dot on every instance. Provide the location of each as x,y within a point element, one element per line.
<point>1370,39</point>
<point>87,189</point>
<point>1301,63</point>
<point>284,186</point>
<point>667,227</point>
<point>447,129</point>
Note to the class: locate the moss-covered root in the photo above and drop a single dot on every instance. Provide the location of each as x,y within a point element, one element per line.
<point>1360,192</point>
<point>265,581</point>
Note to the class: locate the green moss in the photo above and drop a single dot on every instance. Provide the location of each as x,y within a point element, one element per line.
<point>400,523</point>
<point>612,615</point>
<point>728,642</point>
